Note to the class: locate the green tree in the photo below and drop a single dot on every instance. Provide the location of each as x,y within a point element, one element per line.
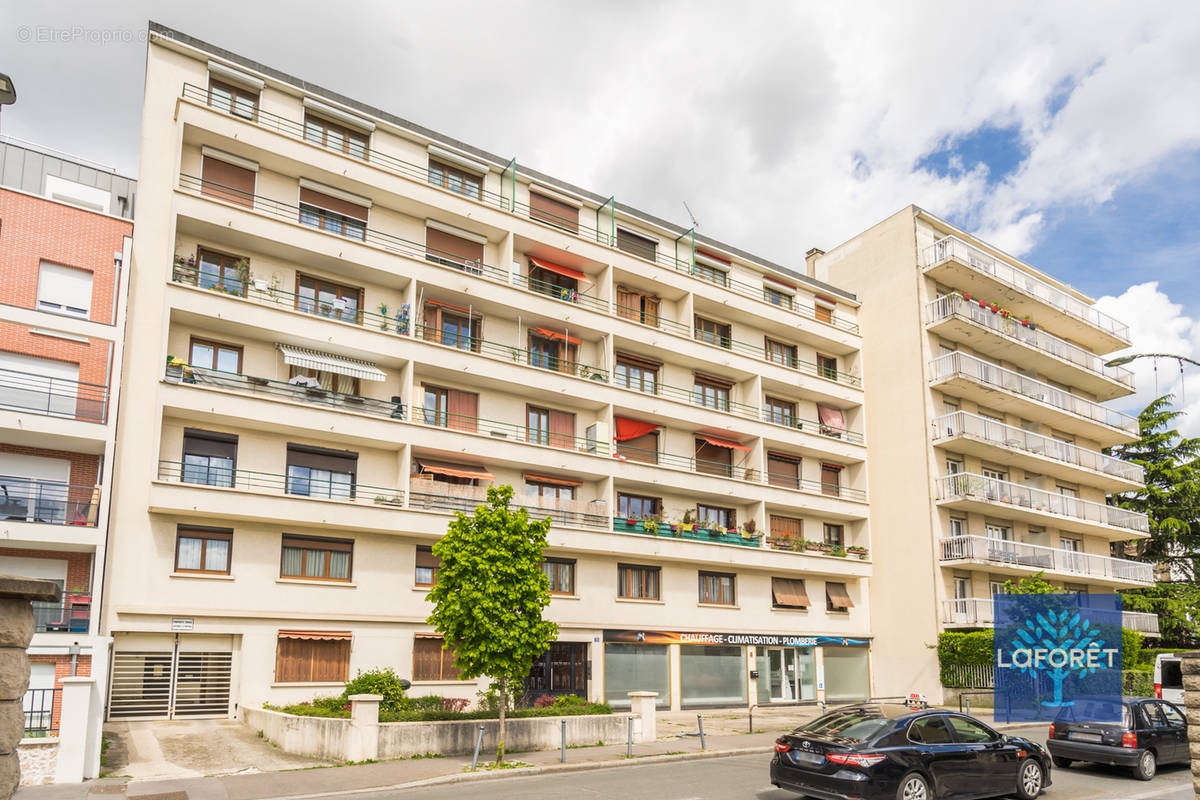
<point>1032,584</point>
<point>490,593</point>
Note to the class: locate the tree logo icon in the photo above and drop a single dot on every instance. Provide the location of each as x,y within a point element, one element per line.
<point>1058,644</point>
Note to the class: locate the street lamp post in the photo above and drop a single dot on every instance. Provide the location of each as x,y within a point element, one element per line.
<point>1121,360</point>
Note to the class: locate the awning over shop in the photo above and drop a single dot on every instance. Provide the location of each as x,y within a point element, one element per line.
<point>566,272</point>
<point>457,471</point>
<point>632,428</point>
<point>329,635</point>
<point>717,441</point>
<point>327,362</point>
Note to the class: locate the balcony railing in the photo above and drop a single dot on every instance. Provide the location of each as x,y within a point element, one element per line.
<point>693,532</point>
<point>953,365</point>
<point>954,248</point>
<point>49,502</point>
<point>447,497</point>
<point>694,396</point>
<point>1140,621</point>
<point>518,355</point>
<point>1040,558</point>
<point>811,426</point>
<point>962,423</point>
<point>466,423</point>
<point>980,611</point>
<point>279,484</point>
<point>506,202</point>
<point>560,293</point>
<point>789,361</point>
<point>38,705</point>
<point>71,614</point>
<point>954,305</point>
<point>55,397</point>
<point>979,487</point>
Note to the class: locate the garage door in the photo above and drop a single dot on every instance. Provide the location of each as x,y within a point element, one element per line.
<point>168,684</point>
<point>38,384</point>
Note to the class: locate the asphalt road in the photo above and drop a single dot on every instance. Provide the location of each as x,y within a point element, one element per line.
<point>747,777</point>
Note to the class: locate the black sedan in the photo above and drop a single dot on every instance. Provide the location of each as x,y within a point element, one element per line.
<point>1151,732</point>
<point>879,751</point>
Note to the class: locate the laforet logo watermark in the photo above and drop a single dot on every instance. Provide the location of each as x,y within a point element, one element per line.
<point>1057,654</point>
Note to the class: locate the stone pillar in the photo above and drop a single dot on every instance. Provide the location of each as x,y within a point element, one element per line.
<point>73,724</point>
<point>16,631</point>
<point>1191,700</point>
<point>363,741</point>
<point>642,704</point>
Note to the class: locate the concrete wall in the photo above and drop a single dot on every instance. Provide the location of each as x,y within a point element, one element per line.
<point>39,760</point>
<point>309,736</point>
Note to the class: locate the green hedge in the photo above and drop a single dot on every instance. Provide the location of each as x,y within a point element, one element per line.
<point>1148,654</point>
<point>1131,647</point>
<point>957,649</point>
<point>1137,682</point>
<point>429,709</point>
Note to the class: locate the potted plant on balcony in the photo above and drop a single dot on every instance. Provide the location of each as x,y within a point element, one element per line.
<point>749,530</point>
<point>857,550</point>
<point>811,545</point>
<point>630,521</point>
<point>383,313</point>
<point>966,296</point>
<point>824,547</point>
<point>394,500</point>
<point>717,531</point>
<point>650,525</point>
<point>838,551</point>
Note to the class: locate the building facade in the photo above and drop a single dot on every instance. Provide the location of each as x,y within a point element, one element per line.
<point>347,326</point>
<point>65,234</point>
<point>986,462</point>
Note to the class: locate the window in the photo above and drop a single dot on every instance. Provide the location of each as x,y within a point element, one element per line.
<point>548,426</point>
<point>827,367</point>
<point>713,332</point>
<point>783,470</point>
<point>64,290</point>
<point>633,506</point>
<point>228,182</point>
<point>639,582</point>
<point>968,731</point>
<point>456,180</point>
<point>208,457</point>
<point>716,516</point>
<point>451,250</point>
<point>636,244</point>
<point>711,392</point>
<point>930,730</point>
<point>326,299</point>
<point>717,588</point>
<point>780,353</point>
<point>233,99</point>
<point>637,374</point>
<point>823,312</point>
<point>777,298</point>
<point>318,472</point>
<point>333,214</point>
<point>561,573</point>
<point>335,137</point>
<point>220,272</point>
<point>431,662</point>
<point>711,268</point>
<point>427,566</point>
<point>212,355</point>
<point>835,534</point>
<point>643,448</point>
<point>958,526</point>
<point>203,550</point>
<point>550,350</point>
<point>836,597</point>
<point>452,326</point>
<point>712,459</point>
<point>786,527</point>
<point>556,212</point>
<point>549,490</point>
<point>316,559</point>
<point>312,657</point>
<point>450,408</point>
<point>788,593</point>
<point>329,381</point>
<point>780,412</point>
<point>637,306</point>
<point>831,478</point>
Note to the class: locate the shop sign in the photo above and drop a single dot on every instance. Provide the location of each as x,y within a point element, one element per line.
<point>738,639</point>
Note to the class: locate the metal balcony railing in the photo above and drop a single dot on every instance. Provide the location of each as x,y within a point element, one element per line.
<point>49,502</point>
<point>55,397</point>
<point>39,705</point>
<point>969,486</point>
<point>559,293</point>
<point>71,614</point>
<point>1040,558</point>
<point>954,248</point>
<point>954,305</point>
<point>1140,621</point>
<point>789,361</point>
<point>694,396</point>
<point>696,533</point>
<point>466,423</point>
<point>953,365</point>
<point>962,423</point>
<point>435,496</point>
<point>518,355</point>
<point>334,487</point>
<point>981,611</point>
<point>811,426</point>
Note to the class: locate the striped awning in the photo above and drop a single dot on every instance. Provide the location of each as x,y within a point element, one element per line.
<point>327,362</point>
<point>327,635</point>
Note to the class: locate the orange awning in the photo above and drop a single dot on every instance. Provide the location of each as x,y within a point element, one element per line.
<point>549,334</point>
<point>633,428</point>
<point>457,471</point>
<point>550,479</point>
<point>716,441</point>
<point>566,272</point>
<point>331,635</point>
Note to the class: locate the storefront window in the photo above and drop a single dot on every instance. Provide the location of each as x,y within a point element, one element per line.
<point>711,675</point>
<point>636,668</point>
<point>786,674</point>
<point>846,674</point>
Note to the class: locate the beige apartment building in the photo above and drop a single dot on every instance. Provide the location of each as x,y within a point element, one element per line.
<point>986,425</point>
<point>344,327</point>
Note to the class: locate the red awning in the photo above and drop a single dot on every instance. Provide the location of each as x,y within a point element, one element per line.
<point>457,471</point>
<point>713,256</point>
<point>632,428</point>
<point>566,272</point>
<point>553,480</point>
<point>549,334</point>
<point>333,635</point>
<point>447,305</point>
<point>831,417</point>
<point>717,441</point>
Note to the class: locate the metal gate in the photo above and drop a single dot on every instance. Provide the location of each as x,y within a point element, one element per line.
<point>168,684</point>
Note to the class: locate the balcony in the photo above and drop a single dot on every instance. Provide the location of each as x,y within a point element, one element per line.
<point>71,614</point>
<point>1007,444</point>
<point>54,397</point>
<point>977,612</point>
<point>540,359</point>
<point>812,426</point>
<point>1011,339</point>
<point>962,266</point>
<point>789,362</point>
<point>1008,500</point>
<point>1018,558</point>
<point>274,483</point>
<point>1004,390</point>
<point>692,532</point>
<point>450,498</point>
<point>48,502</point>
<point>1140,621</point>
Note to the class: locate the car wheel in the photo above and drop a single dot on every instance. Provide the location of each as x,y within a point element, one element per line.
<point>1062,763</point>
<point>914,787</point>
<point>1029,779</point>
<point>1147,765</point>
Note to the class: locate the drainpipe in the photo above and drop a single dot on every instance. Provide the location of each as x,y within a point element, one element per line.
<point>74,651</point>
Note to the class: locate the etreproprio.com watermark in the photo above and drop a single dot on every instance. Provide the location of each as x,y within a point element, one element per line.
<point>71,34</point>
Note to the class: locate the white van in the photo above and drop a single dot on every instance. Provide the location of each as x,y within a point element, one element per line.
<point>1168,678</point>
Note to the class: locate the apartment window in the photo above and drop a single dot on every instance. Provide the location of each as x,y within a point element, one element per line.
<point>711,392</point>
<point>233,99</point>
<point>216,356</point>
<point>777,298</point>
<point>64,290</point>
<point>711,268</point>
<point>823,312</point>
<point>335,137</point>
<point>836,597</point>
<point>450,408</point>
<point>788,593</point>
<point>427,566</point>
<point>638,306</point>
<point>326,299</point>
<point>716,516</point>
<point>827,367</point>
<point>556,212</point>
<point>220,272</point>
<point>780,412</point>
<point>452,326</point>
<point>316,559</point>
<point>456,180</point>
<point>713,332</point>
<point>204,550</point>
<point>431,662</point>
<point>553,282</point>
<point>633,506</point>
<point>208,457</point>
<point>317,472</point>
<point>636,244</point>
<point>835,535</point>
<point>999,533</point>
<point>642,448</point>
<point>780,353</point>
<point>550,489</point>
<point>333,214</point>
<point>549,426</point>
<point>455,251</point>
<point>312,657</point>
<point>561,573</point>
<point>329,381</point>
<point>958,526</point>
<point>783,470</point>
<point>228,182</point>
<point>717,588</point>
<point>713,459</point>
<point>831,479</point>
<point>636,373</point>
<point>638,582</point>
<point>553,350</point>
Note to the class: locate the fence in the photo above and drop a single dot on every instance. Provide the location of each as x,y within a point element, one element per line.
<point>969,676</point>
<point>39,705</point>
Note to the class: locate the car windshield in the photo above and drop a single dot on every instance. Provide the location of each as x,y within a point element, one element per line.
<point>859,724</point>
<point>1092,710</point>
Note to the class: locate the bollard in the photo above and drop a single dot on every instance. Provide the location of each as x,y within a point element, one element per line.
<point>968,706</point>
<point>564,742</point>
<point>629,740</point>
<point>478,744</point>
<point>700,724</point>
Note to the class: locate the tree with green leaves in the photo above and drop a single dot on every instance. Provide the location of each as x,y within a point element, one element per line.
<point>490,594</point>
<point>1031,584</point>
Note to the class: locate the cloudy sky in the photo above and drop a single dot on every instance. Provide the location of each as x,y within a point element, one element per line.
<point>1067,132</point>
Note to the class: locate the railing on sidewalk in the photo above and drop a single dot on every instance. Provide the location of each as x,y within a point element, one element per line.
<point>55,397</point>
<point>72,614</point>
<point>982,487</point>
<point>39,706</point>
<point>1006,552</point>
<point>48,502</point>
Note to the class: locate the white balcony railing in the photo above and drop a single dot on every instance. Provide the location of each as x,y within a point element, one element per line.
<point>1140,621</point>
<point>1040,558</point>
<point>954,248</point>
<point>954,305</point>
<point>960,364</point>
<point>969,486</point>
<point>980,611</point>
<point>962,423</point>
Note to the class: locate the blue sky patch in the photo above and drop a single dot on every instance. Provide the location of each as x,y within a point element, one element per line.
<point>1001,149</point>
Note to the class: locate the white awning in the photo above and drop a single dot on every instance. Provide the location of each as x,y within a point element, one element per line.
<point>327,362</point>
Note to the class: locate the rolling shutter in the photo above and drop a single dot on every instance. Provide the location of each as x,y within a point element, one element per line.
<point>555,212</point>
<point>225,181</point>
<point>462,410</point>
<point>335,204</point>
<point>440,244</point>
<point>562,429</point>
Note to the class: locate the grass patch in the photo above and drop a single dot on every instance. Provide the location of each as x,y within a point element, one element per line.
<point>418,714</point>
<point>492,765</point>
